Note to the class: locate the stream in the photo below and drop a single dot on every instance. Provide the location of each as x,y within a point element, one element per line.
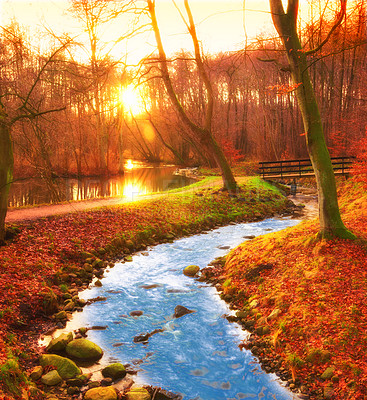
<point>196,355</point>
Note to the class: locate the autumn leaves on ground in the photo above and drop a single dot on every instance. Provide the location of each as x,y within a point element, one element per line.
<point>315,290</point>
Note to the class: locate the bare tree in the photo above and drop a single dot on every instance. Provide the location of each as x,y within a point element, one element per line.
<point>201,134</point>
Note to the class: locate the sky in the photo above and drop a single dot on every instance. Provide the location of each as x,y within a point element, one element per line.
<point>222,24</point>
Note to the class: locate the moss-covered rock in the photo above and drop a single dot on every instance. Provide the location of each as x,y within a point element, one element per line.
<point>138,393</point>
<point>52,378</point>
<point>101,393</point>
<point>191,270</point>
<point>114,371</point>
<point>36,373</point>
<point>66,368</point>
<point>59,343</point>
<point>83,350</point>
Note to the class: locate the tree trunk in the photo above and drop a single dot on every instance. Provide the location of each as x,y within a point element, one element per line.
<point>6,170</point>
<point>203,135</point>
<point>331,224</point>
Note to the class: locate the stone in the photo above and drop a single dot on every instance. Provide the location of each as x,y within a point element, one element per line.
<point>136,313</point>
<point>66,368</point>
<point>328,392</point>
<point>115,371</point>
<point>84,350</point>
<point>180,311</point>
<point>36,373</point>
<point>328,373</point>
<point>98,283</point>
<point>101,393</point>
<point>73,390</point>
<point>61,315</point>
<point>70,306</point>
<point>138,393</point>
<point>274,314</point>
<point>52,378</point>
<point>59,343</point>
<point>191,270</point>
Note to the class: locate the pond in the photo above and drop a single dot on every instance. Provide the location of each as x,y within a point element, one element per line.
<point>196,355</point>
<point>138,179</point>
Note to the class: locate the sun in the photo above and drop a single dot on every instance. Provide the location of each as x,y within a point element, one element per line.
<point>131,100</point>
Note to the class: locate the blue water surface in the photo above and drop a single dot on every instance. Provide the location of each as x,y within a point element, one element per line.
<point>196,355</point>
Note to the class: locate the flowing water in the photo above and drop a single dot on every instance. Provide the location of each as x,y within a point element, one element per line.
<point>196,355</point>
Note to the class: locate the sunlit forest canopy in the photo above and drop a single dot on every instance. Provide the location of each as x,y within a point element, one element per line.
<point>97,61</point>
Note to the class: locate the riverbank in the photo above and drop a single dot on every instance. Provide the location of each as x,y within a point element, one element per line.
<point>46,259</point>
<point>304,300</point>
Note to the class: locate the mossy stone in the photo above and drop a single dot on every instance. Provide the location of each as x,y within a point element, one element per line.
<point>36,373</point>
<point>59,343</point>
<point>328,373</point>
<point>114,371</point>
<point>138,394</point>
<point>191,270</point>
<point>101,393</point>
<point>84,350</point>
<point>52,378</point>
<point>66,368</point>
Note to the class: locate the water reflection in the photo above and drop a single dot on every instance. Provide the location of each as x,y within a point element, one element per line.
<point>134,182</point>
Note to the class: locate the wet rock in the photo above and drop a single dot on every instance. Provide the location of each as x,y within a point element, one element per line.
<point>136,313</point>
<point>98,283</point>
<point>249,237</point>
<point>66,368</point>
<point>115,371</point>
<point>83,350</point>
<point>164,395</point>
<point>138,394</point>
<point>36,373</point>
<point>142,337</point>
<point>152,286</point>
<point>180,311</point>
<point>191,270</point>
<point>101,393</point>
<point>59,343</point>
<point>52,378</point>
<point>224,247</point>
<point>106,382</point>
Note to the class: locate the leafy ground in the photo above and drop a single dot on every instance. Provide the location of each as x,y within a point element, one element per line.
<point>311,297</point>
<point>46,256</point>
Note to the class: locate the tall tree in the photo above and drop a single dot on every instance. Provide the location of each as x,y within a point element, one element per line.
<point>285,22</point>
<point>202,134</point>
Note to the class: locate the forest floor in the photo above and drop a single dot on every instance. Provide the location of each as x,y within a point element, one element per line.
<point>305,299</point>
<point>315,290</point>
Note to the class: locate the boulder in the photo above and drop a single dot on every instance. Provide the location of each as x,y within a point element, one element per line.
<point>191,270</point>
<point>52,378</point>
<point>101,393</point>
<point>328,373</point>
<point>138,393</point>
<point>180,311</point>
<point>83,350</point>
<point>59,343</point>
<point>115,371</point>
<point>66,368</point>
<point>274,314</point>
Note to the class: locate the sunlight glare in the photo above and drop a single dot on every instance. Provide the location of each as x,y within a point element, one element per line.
<point>133,190</point>
<point>129,165</point>
<point>131,101</point>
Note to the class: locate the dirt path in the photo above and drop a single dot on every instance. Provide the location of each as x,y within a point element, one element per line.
<point>308,197</point>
